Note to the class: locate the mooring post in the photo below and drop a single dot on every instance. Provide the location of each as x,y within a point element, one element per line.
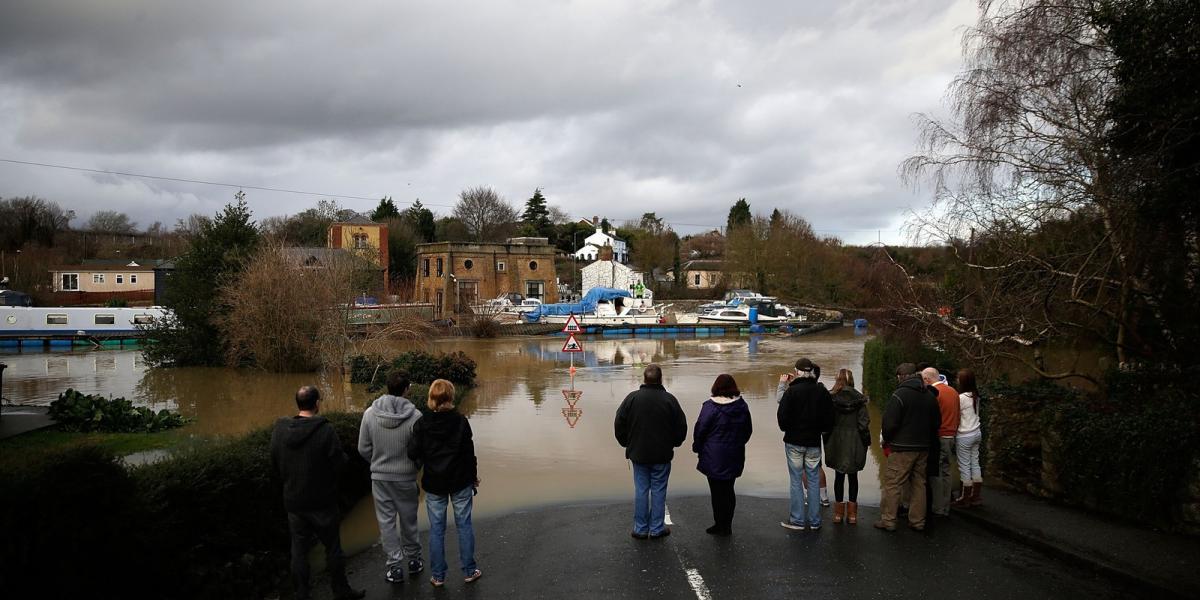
<point>2,368</point>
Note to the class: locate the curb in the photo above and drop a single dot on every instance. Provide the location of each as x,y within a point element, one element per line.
<point>1045,544</point>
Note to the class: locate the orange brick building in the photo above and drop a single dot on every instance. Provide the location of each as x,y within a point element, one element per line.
<point>453,276</point>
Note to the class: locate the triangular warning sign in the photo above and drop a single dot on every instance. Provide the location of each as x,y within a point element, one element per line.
<point>572,325</point>
<point>572,344</point>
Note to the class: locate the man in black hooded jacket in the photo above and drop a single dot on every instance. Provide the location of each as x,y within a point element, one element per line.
<point>307,456</point>
<point>910,429</point>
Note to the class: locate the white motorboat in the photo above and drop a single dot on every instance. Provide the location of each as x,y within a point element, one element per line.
<point>738,316</point>
<point>601,306</point>
<point>527,305</point>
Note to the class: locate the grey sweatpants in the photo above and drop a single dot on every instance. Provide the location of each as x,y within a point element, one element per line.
<point>397,501</point>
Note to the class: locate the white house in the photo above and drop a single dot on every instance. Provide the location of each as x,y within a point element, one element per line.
<point>593,243</point>
<point>609,273</point>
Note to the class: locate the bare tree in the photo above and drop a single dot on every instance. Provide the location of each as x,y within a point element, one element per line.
<point>111,221</point>
<point>192,224</point>
<point>487,216</point>
<point>1024,193</point>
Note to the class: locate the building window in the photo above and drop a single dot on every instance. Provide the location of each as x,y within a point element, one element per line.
<point>533,265</point>
<point>70,282</point>
<point>697,279</point>
<point>56,319</point>
<point>439,267</point>
<point>500,266</point>
<point>535,289</point>
<point>120,279</point>
<point>425,268</point>
<point>361,241</point>
<point>106,319</point>
<point>132,278</point>
<point>97,277</point>
<point>467,264</point>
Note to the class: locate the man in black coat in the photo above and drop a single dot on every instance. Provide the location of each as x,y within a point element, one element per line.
<point>307,457</point>
<point>910,429</point>
<point>650,425</point>
<point>805,412</point>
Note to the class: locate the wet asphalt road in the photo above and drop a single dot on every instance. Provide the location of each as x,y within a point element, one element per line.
<point>586,552</point>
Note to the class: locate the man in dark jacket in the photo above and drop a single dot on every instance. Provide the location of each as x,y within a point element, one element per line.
<point>805,412</point>
<point>650,425</point>
<point>307,457</point>
<point>910,429</point>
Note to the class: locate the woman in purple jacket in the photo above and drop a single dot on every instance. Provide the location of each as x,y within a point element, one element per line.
<point>720,437</point>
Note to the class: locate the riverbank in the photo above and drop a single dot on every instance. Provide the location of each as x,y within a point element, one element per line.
<point>585,551</point>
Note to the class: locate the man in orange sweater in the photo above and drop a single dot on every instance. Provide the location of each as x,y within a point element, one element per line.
<point>947,398</point>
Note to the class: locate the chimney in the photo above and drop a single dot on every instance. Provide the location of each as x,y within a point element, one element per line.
<point>596,222</point>
<point>606,252</point>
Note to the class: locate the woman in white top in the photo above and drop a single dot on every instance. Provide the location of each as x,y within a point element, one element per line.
<point>968,439</point>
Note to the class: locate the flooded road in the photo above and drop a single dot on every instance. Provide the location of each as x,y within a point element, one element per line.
<point>534,447</point>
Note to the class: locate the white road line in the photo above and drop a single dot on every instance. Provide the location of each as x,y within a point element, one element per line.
<point>693,576</point>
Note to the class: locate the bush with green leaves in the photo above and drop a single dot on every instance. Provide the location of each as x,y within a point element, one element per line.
<point>206,522</point>
<point>421,367</point>
<point>79,412</point>
<point>881,356</point>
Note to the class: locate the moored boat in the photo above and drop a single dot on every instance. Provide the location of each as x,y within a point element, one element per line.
<point>600,306</point>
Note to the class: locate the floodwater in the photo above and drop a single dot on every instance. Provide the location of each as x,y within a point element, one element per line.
<point>535,448</point>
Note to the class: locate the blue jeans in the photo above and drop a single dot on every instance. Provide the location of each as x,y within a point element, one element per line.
<point>650,497</point>
<point>804,460</point>
<point>435,506</point>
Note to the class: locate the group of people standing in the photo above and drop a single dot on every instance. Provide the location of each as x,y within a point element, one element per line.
<point>398,441</point>
<point>925,421</point>
<point>924,417</point>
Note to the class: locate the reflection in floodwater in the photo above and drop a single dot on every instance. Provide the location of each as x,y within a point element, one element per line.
<point>527,457</point>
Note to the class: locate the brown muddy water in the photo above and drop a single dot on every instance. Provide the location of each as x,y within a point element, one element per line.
<point>534,448</point>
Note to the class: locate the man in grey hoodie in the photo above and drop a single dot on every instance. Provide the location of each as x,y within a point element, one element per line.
<point>383,441</point>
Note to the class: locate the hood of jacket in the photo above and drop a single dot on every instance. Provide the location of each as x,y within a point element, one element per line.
<point>723,400</point>
<point>444,426</point>
<point>848,400</point>
<point>299,429</point>
<point>391,411</point>
<point>914,383</point>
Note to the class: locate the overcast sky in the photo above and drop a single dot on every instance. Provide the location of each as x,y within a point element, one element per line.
<point>612,107</point>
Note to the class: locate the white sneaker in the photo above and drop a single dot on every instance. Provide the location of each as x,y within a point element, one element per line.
<point>792,526</point>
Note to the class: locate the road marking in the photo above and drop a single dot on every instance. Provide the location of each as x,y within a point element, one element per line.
<point>693,576</point>
<point>697,583</point>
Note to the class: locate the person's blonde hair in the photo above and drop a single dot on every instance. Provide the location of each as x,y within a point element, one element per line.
<point>441,394</point>
<point>845,379</point>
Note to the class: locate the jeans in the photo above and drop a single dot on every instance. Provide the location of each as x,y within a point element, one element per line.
<point>435,506</point>
<point>942,484</point>
<point>308,527</point>
<point>905,471</point>
<point>804,462</point>
<point>396,501</point>
<point>967,445</point>
<point>650,497</point>
<point>723,502</point>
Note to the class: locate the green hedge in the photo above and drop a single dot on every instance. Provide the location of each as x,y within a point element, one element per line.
<point>1130,450</point>
<point>421,367</point>
<point>881,356</point>
<point>78,412</point>
<point>207,522</point>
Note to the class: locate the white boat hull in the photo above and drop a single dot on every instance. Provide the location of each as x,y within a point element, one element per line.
<point>586,320</point>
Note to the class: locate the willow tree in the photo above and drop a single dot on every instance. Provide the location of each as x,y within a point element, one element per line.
<point>1028,191</point>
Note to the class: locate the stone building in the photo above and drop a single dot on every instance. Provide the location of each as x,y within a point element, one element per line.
<point>607,272</point>
<point>454,276</point>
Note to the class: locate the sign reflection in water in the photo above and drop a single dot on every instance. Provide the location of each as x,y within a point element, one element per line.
<point>526,457</point>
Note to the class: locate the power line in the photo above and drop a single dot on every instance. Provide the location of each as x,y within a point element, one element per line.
<point>324,195</point>
<point>196,181</point>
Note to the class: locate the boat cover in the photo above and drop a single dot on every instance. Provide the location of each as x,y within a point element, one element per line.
<point>585,306</point>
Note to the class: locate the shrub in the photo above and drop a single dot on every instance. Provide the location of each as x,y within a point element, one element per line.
<point>881,356</point>
<point>79,412</point>
<point>116,303</point>
<point>207,522</point>
<point>421,367</point>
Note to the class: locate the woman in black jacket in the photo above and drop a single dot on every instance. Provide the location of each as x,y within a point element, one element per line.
<point>846,445</point>
<point>441,442</point>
